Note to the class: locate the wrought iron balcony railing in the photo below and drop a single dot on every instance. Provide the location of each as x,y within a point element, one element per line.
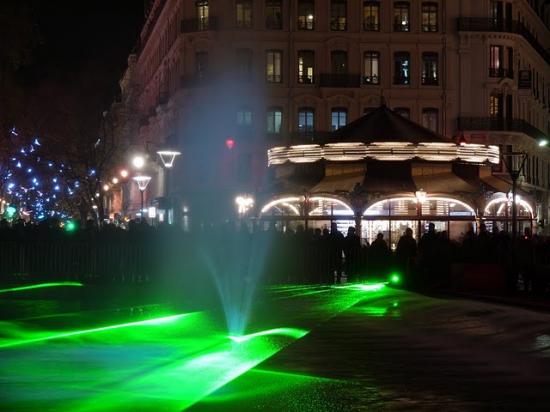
<point>501,73</point>
<point>204,24</point>
<point>340,80</point>
<point>501,25</point>
<point>497,124</point>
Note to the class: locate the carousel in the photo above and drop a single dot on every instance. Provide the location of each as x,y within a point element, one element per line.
<point>383,173</point>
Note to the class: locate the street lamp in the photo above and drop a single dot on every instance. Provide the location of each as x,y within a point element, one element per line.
<point>421,197</point>
<point>244,204</point>
<point>142,182</point>
<point>138,161</point>
<point>515,168</point>
<point>167,158</point>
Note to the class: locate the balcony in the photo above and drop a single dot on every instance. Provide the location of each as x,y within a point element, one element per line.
<point>487,24</point>
<point>500,125</point>
<point>340,80</point>
<point>501,73</point>
<point>195,25</point>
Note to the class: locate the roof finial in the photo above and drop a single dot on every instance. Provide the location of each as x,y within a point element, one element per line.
<point>382,101</point>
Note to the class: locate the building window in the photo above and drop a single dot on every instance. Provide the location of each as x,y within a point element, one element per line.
<point>371,16</point>
<point>496,106</point>
<point>339,62</point>
<point>338,15</point>
<point>244,117</point>
<point>244,14</point>
<point>429,17</point>
<point>339,117</point>
<point>244,59</point>
<point>274,14</point>
<point>371,73</point>
<point>402,73</point>
<point>429,69</point>
<point>306,119</point>
<point>202,14</point>
<point>306,15</point>
<point>401,16</point>
<point>430,119</point>
<point>403,111</point>
<point>274,59</point>
<point>201,64</point>
<point>306,66</point>
<point>274,120</point>
<point>496,56</point>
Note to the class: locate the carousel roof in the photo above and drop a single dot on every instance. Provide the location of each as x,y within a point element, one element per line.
<point>386,125</point>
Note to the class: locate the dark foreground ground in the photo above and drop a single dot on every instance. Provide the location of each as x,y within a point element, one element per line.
<point>324,349</point>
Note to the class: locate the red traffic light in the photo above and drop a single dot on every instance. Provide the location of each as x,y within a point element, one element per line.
<point>229,143</point>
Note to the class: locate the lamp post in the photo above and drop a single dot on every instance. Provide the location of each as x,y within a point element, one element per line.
<point>421,196</point>
<point>515,168</point>
<point>142,182</point>
<point>168,158</point>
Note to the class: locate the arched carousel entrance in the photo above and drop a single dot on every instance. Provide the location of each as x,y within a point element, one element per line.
<point>497,213</point>
<point>389,216</point>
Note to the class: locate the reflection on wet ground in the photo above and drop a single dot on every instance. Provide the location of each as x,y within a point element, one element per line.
<point>310,348</point>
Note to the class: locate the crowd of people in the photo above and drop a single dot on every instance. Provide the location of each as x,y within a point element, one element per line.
<point>295,256</point>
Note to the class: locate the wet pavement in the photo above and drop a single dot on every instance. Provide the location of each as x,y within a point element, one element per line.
<point>352,348</point>
<point>404,351</point>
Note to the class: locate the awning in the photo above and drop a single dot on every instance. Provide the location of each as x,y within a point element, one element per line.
<point>499,184</point>
<point>446,182</point>
<point>338,183</point>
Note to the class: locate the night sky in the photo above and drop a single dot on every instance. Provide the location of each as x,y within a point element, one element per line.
<point>82,46</point>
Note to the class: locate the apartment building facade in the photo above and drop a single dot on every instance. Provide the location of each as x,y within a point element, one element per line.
<point>225,80</point>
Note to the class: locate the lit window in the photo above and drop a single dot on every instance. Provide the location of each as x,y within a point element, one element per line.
<point>244,117</point>
<point>430,119</point>
<point>403,111</point>
<point>429,17</point>
<point>274,120</point>
<point>244,13</point>
<point>402,73</point>
<point>273,66</point>
<point>274,14</point>
<point>371,16</point>
<point>202,14</point>
<point>496,57</point>
<point>306,15</point>
<point>339,117</point>
<point>338,15</point>
<point>306,66</point>
<point>306,119</point>
<point>401,16</point>
<point>429,69</point>
<point>371,73</point>
<point>495,106</point>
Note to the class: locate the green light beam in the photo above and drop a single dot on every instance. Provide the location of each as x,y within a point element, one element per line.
<point>149,322</point>
<point>40,286</point>
<point>366,287</point>
<point>290,332</point>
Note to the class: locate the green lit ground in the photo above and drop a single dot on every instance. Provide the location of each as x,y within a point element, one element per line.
<point>309,348</point>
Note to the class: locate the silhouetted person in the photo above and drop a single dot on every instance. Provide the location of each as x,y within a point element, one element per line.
<point>428,255</point>
<point>406,252</point>
<point>379,257</point>
<point>352,247</point>
<point>336,245</point>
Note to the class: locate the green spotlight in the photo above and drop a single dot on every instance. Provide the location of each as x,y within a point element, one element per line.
<point>40,286</point>
<point>70,226</point>
<point>395,278</point>
<point>10,212</point>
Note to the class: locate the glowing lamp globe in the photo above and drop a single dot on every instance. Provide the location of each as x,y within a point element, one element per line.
<point>138,162</point>
<point>124,173</point>
<point>230,143</point>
